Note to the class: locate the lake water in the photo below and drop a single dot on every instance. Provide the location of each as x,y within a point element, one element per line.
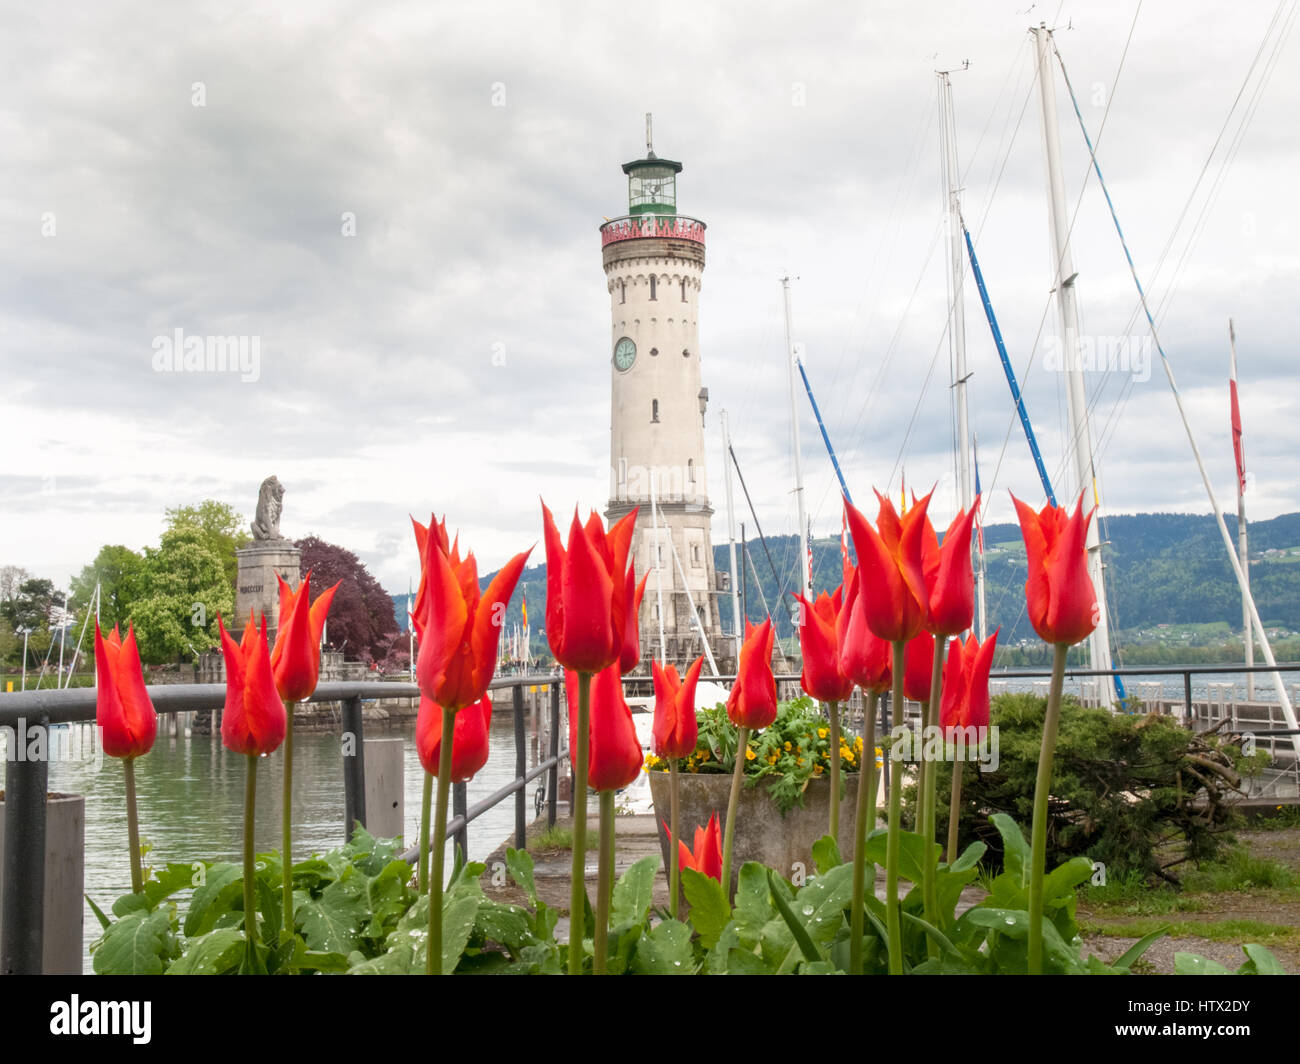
<point>191,792</point>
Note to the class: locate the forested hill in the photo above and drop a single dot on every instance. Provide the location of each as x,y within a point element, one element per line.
<point>1161,569</point>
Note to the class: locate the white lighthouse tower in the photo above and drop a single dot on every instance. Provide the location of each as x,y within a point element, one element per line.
<point>654,262</point>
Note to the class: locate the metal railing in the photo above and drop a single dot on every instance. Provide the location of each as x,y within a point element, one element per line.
<point>664,226</point>
<point>28,713</point>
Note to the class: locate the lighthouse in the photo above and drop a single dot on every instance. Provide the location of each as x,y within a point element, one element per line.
<point>654,263</point>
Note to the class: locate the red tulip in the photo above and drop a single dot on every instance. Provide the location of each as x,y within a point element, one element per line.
<point>295,659</point>
<point>949,579</point>
<point>752,702</point>
<point>864,656</point>
<point>630,657</point>
<point>587,591</point>
<point>422,543</point>
<point>918,667</point>
<point>1061,599</point>
<point>890,566</point>
<point>123,710</point>
<point>254,720</point>
<point>821,676</point>
<point>676,731</point>
<point>469,744</point>
<point>707,858</point>
<point>458,628</point>
<point>965,699</point>
<point>614,753</point>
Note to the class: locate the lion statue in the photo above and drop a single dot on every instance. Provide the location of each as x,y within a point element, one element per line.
<point>270,501</point>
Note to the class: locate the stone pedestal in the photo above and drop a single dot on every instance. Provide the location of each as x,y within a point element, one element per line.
<point>256,587</point>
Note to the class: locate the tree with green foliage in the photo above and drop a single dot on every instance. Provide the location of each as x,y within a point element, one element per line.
<point>222,528</point>
<point>182,588</point>
<point>117,570</point>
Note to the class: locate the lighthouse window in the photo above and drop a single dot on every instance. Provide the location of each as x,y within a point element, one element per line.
<point>654,409</point>
<point>686,352</point>
<point>695,554</point>
<point>652,287</point>
<point>683,289</point>
<point>622,291</point>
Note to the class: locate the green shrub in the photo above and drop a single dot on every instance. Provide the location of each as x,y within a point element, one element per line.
<point>1140,794</point>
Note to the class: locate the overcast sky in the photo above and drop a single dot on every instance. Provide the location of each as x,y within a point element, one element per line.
<point>400,202</point>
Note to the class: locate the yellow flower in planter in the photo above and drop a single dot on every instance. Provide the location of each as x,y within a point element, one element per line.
<point>749,753</point>
<point>822,733</point>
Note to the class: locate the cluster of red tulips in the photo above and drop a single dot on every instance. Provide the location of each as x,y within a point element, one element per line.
<point>879,629</point>
<point>262,688</point>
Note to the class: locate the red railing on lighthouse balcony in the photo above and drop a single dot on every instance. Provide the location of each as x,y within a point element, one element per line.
<point>664,226</point>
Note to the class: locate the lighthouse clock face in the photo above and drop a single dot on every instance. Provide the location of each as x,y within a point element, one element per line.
<point>624,354</point>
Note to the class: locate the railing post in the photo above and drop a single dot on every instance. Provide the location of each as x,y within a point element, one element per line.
<point>553,775</point>
<point>354,767</point>
<point>1187,693</point>
<point>521,769</point>
<point>22,948</point>
<point>459,808</point>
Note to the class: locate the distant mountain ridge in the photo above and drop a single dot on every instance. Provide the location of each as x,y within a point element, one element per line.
<point>1160,569</point>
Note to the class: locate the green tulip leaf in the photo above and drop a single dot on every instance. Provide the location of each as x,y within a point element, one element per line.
<point>1261,961</point>
<point>519,863</point>
<point>1194,964</point>
<point>710,912</point>
<point>212,954</point>
<point>504,924</point>
<point>826,854</point>
<point>666,950</point>
<point>1016,858</point>
<point>135,945</point>
<point>753,908</point>
<point>634,892</point>
<point>331,922</point>
<point>104,921</point>
<point>797,930</point>
<point>970,857</point>
<point>1138,948</point>
<point>912,850</point>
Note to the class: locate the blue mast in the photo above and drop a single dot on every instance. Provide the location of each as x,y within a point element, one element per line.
<point>1006,368</point>
<point>821,425</point>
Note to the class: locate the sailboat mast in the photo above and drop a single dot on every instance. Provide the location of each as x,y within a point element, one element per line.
<point>731,538</point>
<point>1239,454</point>
<point>1064,275</point>
<point>805,568</point>
<point>659,570</point>
<point>956,307</point>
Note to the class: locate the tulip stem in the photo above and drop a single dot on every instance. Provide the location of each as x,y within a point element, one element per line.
<point>133,827</point>
<point>286,846</point>
<point>604,884</point>
<point>864,820</point>
<point>674,850</point>
<point>729,834</point>
<point>1042,788</point>
<point>426,814</point>
<point>578,874</point>
<point>834,710</point>
<point>929,887</point>
<point>250,882</point>
<point>954,809</point>
<point>894,919</point>
<point>433,962</point>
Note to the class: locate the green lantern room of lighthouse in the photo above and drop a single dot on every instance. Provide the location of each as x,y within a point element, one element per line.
<point>651,182</point>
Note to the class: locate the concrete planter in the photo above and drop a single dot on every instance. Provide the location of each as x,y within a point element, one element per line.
<point>65,878</point>
<point>762,834</point>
